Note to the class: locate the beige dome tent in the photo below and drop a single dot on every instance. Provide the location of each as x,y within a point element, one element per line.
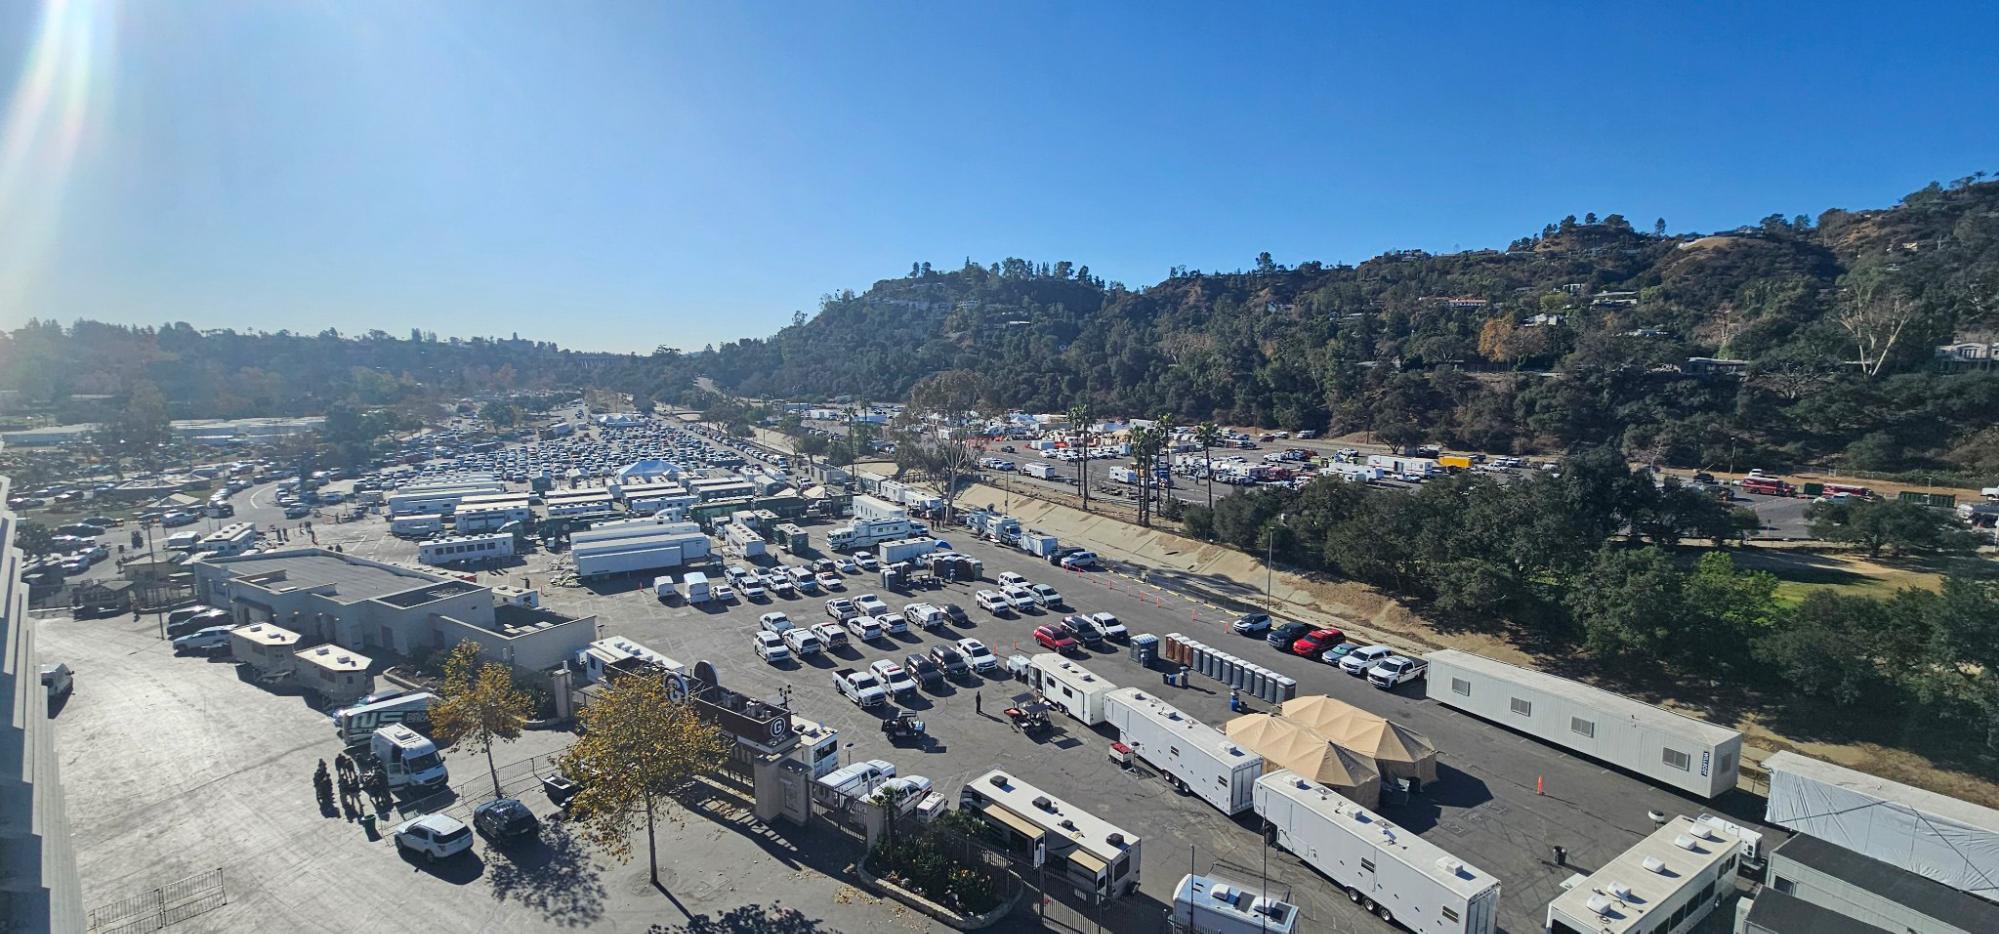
<point>1284,744</point>
<point>1395,750</point>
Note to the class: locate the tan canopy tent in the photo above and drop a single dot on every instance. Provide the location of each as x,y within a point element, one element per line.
<point>1284,744</point>
<point>1395,750</point>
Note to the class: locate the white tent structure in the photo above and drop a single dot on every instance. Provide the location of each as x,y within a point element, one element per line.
<point>1951,841</point>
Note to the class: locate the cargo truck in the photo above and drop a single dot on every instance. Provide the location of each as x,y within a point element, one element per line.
<point>1193,756</point>
<point>1038,544</point>
<point>1039,471</point>
<point>1069,686</point>
<point>1386,869</point>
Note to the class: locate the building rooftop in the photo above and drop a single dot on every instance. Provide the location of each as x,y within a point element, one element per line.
<point>1874,786</point>
<point>430,594</point>
<point>1059,819</point>
<point>1788,914</point>
<point>334,658</point>
<point>1893,883</point>
<point>518,620</point>
<point>1615,704</point>
<point>350,579</point>
<point>1397,843</point>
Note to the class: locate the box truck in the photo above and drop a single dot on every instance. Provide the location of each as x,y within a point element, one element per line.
<point>1038,544</point>
<point>409,759</point>
<point>1069,686</point>
<point>1192,755</point>
<point>1389,870</point>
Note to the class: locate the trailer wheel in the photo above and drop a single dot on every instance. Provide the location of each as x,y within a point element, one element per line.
<point>1386,915</point>
<point>1353,895</point>
<point>1368,903</point>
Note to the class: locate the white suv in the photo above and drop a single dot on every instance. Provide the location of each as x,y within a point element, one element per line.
<point>993,602</point>
<point>1358,661</point>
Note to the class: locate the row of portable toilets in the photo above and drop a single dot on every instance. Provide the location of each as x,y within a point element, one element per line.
<point>1240,674</point>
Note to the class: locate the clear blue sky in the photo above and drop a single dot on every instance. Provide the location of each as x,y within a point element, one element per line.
<point>629,174</point>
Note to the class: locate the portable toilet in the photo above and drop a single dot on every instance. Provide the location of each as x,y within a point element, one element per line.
<point>1287,688</point>
<point>1144,649</point>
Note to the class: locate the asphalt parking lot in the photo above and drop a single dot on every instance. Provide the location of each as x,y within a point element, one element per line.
<point>243,801</point>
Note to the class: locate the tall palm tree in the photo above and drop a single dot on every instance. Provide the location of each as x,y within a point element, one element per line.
<point>1079,423</point>
<point>1146,444</point>
<point>1209,435</point>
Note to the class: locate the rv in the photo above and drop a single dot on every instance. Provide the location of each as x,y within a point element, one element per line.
<point>1069,686</point>
<point>1097,859</point>
<point>355,724</point>
<point>1039,471</point>
<point>416,526</point>
<point>1192,755</point>
<point>1389,870</point>
<point>1204,905</point>
<point>1406,467</point>
<point>596,658</point>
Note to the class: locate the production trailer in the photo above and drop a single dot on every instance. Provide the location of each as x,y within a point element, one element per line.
<point>1945,839</point>
<point>1069,686</point>
<point>416,525</point>
<point>792,539</point>
<point>1096,858</point>
<point>904,549</point>
<point>1404,466</point>
<point>743,540</point>
<point>1390,870</point>
<point>1194,756</point>
<point>1688,754</point>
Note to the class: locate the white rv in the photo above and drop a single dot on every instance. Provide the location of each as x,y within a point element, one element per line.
<point>1098,859</point>
<point>1069,686</point>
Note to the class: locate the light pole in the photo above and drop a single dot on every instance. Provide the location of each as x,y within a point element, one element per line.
<point>1270,559</point>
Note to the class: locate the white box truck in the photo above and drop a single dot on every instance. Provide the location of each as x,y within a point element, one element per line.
<point>694,587</point>
<point>1192,755</point>
<point>1389,870</point>
<point>1039,544</point>
<point>1069,686</point>
<point>409,759</point>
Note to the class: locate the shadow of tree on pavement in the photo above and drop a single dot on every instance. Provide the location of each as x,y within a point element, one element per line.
<point>748,919</point>
<point>554,875</point>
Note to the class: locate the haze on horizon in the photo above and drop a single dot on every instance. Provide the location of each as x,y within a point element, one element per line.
<point>636,174</point>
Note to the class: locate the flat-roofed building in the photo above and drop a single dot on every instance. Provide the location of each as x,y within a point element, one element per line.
<point>1812,886</point>
<point>337,675</point>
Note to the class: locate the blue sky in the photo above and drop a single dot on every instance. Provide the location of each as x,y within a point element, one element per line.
<point>629,174</point>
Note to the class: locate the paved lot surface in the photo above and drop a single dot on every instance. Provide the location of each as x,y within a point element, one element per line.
<point>175,766</point>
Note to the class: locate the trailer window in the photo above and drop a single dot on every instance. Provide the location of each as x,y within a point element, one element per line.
<point>1678,759</point>
<point>1524,708</point>
<point>1582,727</point>
<point>1461,686</point>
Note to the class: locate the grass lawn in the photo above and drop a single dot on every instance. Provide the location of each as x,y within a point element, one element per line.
<point>1800,572</point>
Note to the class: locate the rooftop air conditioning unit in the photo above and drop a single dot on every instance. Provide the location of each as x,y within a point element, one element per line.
<point>1655,864</point>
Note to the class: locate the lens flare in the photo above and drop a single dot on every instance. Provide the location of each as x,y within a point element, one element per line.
<point>48,116</point>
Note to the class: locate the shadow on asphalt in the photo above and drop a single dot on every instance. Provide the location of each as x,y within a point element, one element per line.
<point>457,870</point>
<point>747,919</point>
<point>552,874</point>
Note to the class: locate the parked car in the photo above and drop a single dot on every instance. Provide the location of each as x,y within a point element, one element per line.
<point>775,623</point>
<point>994,602</point>
<point>503,819</point>
<point>803,642</point>
<point>770,648</point>
<point>1284,634</point>
<point>977,655</point>
<point>957,615</point>
<point>925,670</point>
<point>831,581</point>
<point>1396,669</point>
<point>951,661</point>
<point>1082,630</point>
<point>1055,639</point>
<point>1048,597</point>
<point>205,641</point>
<point>1011,579</point>
<point>1358,661</point>
<point>840,609</point>
<point>1317,642</point>
<point>833,635</point>
<point>1079,559</point>
<point>871,605</point>
<point>1020,598</point>
<point>1253,624</point>
<point>1109,627</point>
<point>867,562</point>
<point>433,836</point>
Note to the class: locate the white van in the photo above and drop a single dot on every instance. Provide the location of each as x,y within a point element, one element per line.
<point>695,588</point>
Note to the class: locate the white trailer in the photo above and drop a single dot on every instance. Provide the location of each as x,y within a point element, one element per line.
<point>603,652</point>
<point>867,533</point>
<point>1039,470</point>
<point>1069,686</point>
<point>1352,473</point>
<point>459,548</point>
<point>1123,474</point>
<point>1096,858</point>
<point>1389,870</point>
<point>1204,905</point>
<point>903,549</point>
<point>1688,754</point>
<point>869,507</point>
<point>743,540</point>
<point>1193,755</point>
<point>230,540</point>
<point>421,524</point>
<point>1404,466</point>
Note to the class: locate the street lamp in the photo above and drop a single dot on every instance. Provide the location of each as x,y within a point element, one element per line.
<point>1270,557</point>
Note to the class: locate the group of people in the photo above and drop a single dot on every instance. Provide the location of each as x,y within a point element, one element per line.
<point>356,787</point>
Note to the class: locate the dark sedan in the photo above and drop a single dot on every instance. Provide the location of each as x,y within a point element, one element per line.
<point>948,659</point>
<point>1283,635</point>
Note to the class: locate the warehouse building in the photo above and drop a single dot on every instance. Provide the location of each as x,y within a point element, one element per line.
<point>1815,887</point>
<point>1665,884</point>
<point>39,890</point>
<point>633,545</point>
<point>364,605</point>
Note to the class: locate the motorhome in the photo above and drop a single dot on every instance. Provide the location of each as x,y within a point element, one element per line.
<point>1069,686</point>
<point>1094,857</point>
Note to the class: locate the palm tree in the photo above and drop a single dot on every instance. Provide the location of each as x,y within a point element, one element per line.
<point>1079,422</point>
<point>1145,446</point>
<point>1209,435</point>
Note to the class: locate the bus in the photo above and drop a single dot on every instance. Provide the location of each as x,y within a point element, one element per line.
<point>1099,860</point>
<point>1770,486</point>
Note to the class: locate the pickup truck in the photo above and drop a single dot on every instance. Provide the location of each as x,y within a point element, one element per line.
<point>832,634</point>
<point>895,676</point>
<point>860,687</point>
<point>865,628</point>
<point>1396,669</point>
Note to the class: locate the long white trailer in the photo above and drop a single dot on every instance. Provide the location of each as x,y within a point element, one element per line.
<point>1404,466</point>
<point>1069,686</point>
<point>1193,755</point>
<point>1688,754</point>
<point>1390,870</point>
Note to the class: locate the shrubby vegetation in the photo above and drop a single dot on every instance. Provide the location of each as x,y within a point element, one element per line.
<point>1587,562</point>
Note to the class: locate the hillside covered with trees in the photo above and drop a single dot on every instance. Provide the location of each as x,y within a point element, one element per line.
<point>1580,334</point>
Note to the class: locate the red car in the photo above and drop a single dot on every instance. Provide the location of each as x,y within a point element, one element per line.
<point>1055,639</point>
<point>1318,642</point>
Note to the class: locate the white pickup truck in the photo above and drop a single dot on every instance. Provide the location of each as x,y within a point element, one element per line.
<point>860,687</point>
<point>1396,669</point>
<point>894,676</point>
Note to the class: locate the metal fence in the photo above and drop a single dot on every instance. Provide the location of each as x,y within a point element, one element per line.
<point>162,907</point>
